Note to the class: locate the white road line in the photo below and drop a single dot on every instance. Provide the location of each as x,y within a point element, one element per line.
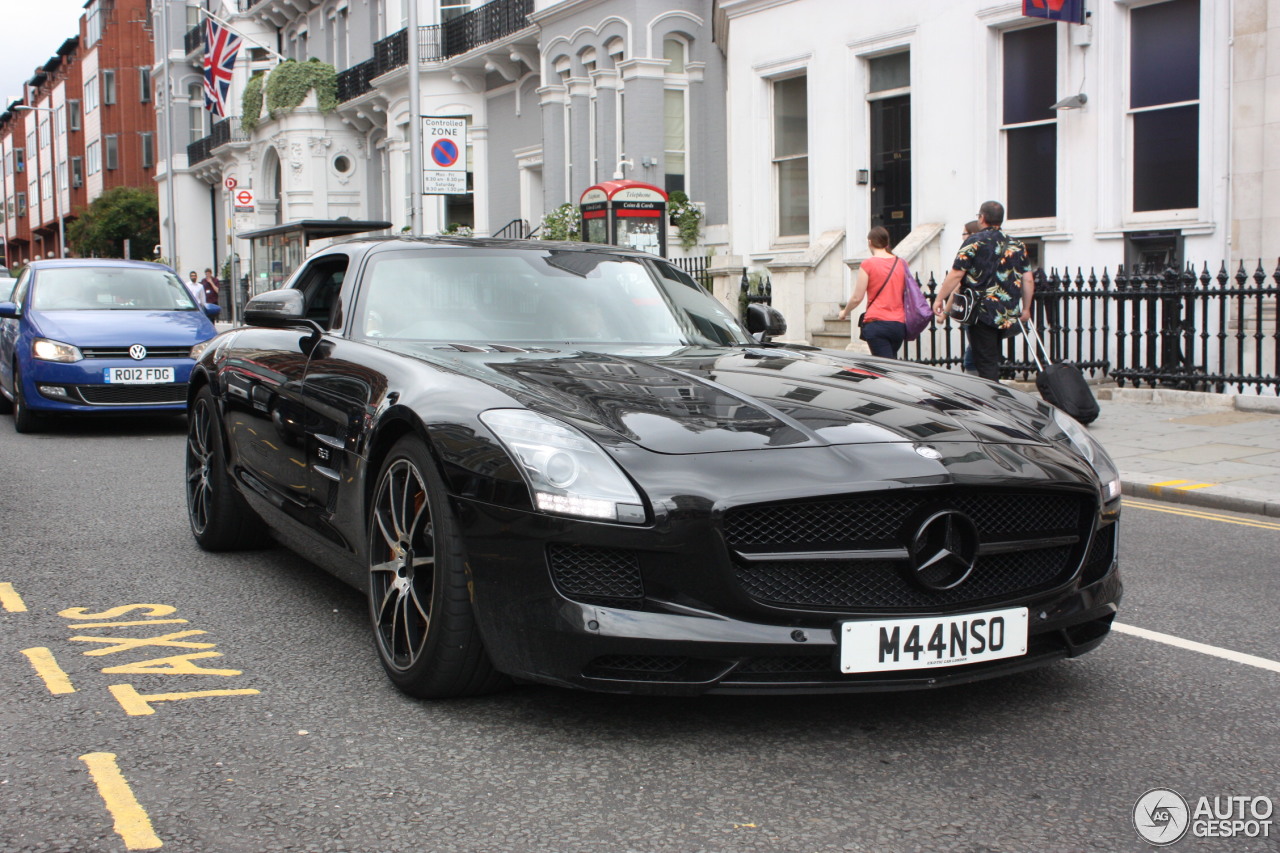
<point>1191,645</point>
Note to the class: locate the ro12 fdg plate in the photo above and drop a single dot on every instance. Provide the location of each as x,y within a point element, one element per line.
<point>137,375</point>
<point>886,645</point>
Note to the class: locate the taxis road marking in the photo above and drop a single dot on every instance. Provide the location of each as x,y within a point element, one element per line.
<point>131,821</point>
<point>10,600</point>
<point>1202,648</point>
<point>47,668</point>
<point>1130,503</point>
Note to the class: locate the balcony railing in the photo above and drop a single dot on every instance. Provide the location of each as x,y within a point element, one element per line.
<point>224,131</point>
<point>194,39</point>
<point>490,22</point>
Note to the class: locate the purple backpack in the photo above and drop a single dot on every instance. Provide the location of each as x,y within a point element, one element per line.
<point>916,311</point>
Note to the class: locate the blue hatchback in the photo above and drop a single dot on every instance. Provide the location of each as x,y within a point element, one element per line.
<point>95,336</point>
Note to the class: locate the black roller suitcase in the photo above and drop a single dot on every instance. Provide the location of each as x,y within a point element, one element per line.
<point>1062,384</point>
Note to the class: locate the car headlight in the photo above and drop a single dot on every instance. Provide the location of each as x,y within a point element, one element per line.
<point>47,350</point>
<point>1088,447</point>
<point>198,349</point>
<point>568,473</point>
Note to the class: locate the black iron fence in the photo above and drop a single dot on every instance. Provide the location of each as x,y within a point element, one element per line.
<point>698,269</point>
<point>1173,329</point>
<point>223,131</point>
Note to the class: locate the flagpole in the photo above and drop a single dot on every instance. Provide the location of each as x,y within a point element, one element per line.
<point>251,41</point>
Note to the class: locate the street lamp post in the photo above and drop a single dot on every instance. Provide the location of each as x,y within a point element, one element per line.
<point>57,185</point>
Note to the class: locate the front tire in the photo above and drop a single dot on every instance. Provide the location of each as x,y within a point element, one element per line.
<point>220,519</point>
<point>419,596</point>
<point>24,420</point>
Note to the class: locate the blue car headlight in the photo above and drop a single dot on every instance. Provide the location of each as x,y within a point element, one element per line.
<point>47,350</point>
<point>1088,447</point>
<point>568,473</point>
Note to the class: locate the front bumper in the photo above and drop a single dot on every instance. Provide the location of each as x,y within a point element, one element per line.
<point>696,631</point>
<point>80,388</point>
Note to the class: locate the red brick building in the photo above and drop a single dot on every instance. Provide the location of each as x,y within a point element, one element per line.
<point>86,123</point>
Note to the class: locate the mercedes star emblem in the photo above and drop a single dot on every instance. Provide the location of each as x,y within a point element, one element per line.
<point>137,352</point>
<point>928,452</point>
<point>944,550</point>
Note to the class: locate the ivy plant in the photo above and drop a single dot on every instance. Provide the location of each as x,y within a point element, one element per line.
<point>687,218</point>
<point>251,103</point>
<point>289,82</point>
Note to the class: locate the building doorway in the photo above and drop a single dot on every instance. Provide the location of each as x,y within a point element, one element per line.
<point>891,165</point>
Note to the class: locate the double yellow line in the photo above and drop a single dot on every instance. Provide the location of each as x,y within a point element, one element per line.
<point>1178,509</point>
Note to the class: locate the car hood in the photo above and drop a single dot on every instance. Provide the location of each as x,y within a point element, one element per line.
<point>700,400</point>
<point>124,327</point>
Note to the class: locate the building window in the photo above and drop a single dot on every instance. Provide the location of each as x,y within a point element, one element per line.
<point>675,126</point>
<point>791,154</point>
<point>113,151</point>
<point>91,94</point>
<point>450,9</point>
<point>19,159</point>
<point>1029,122</point>
<point>195,111</point>
<point>46,185</point>
<point>108,87</point>
<point>148,149</point>
<point>43,126</point>
<point>1164,105</point>
<point>93,24</point>
<point>77,171</point>
<point>22,204</point>
<point>144,85</point>
<point>338,38</point>
<point>73,115</point>
<point>93,154</point>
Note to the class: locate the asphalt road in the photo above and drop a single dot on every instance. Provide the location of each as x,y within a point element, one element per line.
<point>309,748</point>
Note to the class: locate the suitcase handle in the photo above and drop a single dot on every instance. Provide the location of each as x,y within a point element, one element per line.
<point>1038,343</point>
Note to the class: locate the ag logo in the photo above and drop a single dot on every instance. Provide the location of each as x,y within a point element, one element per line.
<point>1161,816</point>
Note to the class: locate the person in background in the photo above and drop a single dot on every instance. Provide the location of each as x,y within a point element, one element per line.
<point>993,268</point>
<point>880,278</point>
<point>210,285</point>
<point>971,227</point>
<point>193,286</point>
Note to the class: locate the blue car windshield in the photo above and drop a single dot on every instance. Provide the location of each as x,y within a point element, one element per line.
<point>109,289</point>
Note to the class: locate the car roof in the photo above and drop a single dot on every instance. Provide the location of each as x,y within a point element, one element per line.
<point>393,243</point>
<point>59,263</point>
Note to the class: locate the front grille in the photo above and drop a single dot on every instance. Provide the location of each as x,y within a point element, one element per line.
<point>595,575</point>
<point>1035,523</point>
<point>131,395</point>
<point>787,666</point>
<point>875,521</point>
<point>123,352</point>
<point>862,584</point>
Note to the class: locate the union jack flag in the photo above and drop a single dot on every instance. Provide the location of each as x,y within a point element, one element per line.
<point>220,49</point>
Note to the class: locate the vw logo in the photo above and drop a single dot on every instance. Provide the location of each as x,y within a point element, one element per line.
<point>927,452</point>
<point>137,352</point>
<point>944,550</point>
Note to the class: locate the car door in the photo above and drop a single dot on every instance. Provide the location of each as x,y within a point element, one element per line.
<point>10,330</point>
<point>262,379</point>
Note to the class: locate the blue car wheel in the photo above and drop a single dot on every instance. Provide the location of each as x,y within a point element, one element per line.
<point>24,420</point>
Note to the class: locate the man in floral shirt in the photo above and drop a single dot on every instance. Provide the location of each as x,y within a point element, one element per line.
<point>992,267</point>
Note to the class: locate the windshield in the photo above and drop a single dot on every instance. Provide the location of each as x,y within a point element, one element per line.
<point>555,296</point>
<point>109,288</point>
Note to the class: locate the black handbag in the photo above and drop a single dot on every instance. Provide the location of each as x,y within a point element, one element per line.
<point>964,308</point>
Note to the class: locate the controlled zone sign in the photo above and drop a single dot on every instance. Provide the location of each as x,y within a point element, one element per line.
<point>445,147</point>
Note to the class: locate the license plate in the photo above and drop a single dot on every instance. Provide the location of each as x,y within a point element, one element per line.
<point>137,375</point>
<point>886,645</point>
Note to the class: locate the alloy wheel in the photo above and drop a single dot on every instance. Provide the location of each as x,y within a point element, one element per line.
<point>199,463</point>
<point>402,564</point>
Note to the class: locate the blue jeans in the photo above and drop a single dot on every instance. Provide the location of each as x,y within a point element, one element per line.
<point>884,337</point>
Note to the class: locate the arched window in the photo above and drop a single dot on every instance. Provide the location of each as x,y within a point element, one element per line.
<point>675,115</point>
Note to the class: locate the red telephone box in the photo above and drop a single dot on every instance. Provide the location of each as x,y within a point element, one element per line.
<point>625,213</point>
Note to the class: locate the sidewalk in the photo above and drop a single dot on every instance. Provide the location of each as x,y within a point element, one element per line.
<point>1219,451</point>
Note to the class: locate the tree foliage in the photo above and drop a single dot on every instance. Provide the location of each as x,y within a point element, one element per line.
<point>119,214</point>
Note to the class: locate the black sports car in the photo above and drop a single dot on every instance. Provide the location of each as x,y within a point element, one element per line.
<point>570,464</point>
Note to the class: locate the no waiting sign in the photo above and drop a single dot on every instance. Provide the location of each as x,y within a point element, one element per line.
<point>445,149</point>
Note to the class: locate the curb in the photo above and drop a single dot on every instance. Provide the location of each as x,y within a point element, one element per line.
<point>1229,503</point>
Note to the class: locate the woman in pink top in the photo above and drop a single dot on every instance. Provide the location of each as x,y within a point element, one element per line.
<point>880,278</point>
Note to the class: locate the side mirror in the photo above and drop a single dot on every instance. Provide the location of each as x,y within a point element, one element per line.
<point>765,321</point>
<point>275,308</point>
<point>8,310</point>
<point>212,311</point>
